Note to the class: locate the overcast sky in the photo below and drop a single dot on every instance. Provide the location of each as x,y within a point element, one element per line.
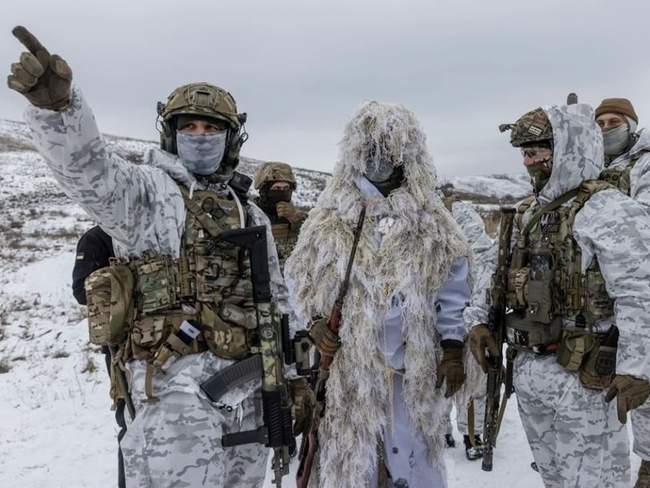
<point>300,68</point>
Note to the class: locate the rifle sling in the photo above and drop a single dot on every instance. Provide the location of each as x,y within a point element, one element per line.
<point>558,202</point>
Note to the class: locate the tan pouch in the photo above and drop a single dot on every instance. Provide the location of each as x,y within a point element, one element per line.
<point>600,365</point>
<point>109,292</point>
<point>575,345</point>
<point>223,339</point>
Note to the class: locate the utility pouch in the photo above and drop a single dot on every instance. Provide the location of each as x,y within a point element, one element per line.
<point>600,366</point>
<point>522,333</point>
<point>223,339</point>
<point>109,291</point>
<point>540,283</point>
<point>598,305</point>
<point>517,288</point>
<point>157,288</point>
<point>149,333</point>
<point>575,346</point>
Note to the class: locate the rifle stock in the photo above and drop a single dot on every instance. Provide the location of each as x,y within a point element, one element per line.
<point>496,323</point>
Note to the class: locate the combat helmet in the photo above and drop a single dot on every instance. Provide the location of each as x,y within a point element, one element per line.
<point>273,171</point>
<point>530,128</point>
<point>201,100</point>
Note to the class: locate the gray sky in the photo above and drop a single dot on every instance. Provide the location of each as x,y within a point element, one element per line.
<point>300,68</point>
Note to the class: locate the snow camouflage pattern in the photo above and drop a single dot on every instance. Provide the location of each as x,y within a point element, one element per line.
<point>575,436</point>
<point>419,243</point>
<point>141,208</point>
<point>484,253</point>
<point>615,230</point>
<point>639,190</point>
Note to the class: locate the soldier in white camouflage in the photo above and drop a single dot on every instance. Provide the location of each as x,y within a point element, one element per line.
<point>627,166</point>
<point>177,306</point>
<point>577,291</point>
<point>276,183</point>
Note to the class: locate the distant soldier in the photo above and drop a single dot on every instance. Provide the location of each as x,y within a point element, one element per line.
<point>276,183</point>
<point>627,166</point>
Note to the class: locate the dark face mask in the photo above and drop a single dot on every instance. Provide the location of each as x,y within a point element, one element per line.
<point>270,198</point>
<point>393,182</point>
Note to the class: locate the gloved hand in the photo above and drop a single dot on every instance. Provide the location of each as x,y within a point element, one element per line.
<point>630,393</point>
<point>326,341</point>
<point>288,211</point>
<point>480,340</point>
<point>304,402</point>
<point>451,367</point>
<point>45,79</point>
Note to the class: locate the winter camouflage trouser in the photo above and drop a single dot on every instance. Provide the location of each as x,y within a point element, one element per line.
<point>641,431</point>
<point>576,438</point>
<point>406,450</point>
<point>176,442</point>
<point>462,416</point>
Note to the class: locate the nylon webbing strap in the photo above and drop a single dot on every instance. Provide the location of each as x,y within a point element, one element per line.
<point>471,423</point>
<point>204,219</point>
<point>558,202</point>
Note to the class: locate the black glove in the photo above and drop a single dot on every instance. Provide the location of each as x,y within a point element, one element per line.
<point>45,79</point>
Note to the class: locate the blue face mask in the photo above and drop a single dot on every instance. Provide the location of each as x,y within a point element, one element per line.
<point>201,153</point>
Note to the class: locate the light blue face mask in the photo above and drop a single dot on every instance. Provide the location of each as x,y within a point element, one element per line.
<point>201,153</point>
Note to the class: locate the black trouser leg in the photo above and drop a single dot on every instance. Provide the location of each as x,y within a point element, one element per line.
<point>119,417</point>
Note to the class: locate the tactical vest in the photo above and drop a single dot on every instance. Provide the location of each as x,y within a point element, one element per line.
<point>285,237</point>
<point>619,177</point>
<point>548,292</point>
<point>156,307</point>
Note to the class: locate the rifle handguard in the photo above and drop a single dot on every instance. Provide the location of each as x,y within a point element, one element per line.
<point>326,341</point>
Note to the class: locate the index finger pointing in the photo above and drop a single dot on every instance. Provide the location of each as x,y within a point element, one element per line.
<point>28,39</point>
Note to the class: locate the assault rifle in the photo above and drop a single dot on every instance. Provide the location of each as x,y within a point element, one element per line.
<point>309,444</point>
<point>268,359</point>
<point>494,407</point>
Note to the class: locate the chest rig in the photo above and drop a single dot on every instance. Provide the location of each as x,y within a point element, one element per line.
<point>201,301</point>
<point>156,308</point>
<point>285,236</point>
<point>619,177</point>
<point>548,291</point>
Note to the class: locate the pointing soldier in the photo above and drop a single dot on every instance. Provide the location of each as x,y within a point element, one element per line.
<point>181,303</point>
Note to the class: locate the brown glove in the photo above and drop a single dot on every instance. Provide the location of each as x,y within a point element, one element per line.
<point>480,340</point>
<point>304,402</point>
<point>630,393</point>
<point>288,211</point>
<point>326,341</point>
<point>451,367</point>
<point>43,78</point>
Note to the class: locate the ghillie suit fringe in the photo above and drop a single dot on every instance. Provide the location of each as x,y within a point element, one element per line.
<point>420,241</point>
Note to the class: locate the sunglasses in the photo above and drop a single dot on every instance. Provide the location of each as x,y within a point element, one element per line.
<point>531,152</point>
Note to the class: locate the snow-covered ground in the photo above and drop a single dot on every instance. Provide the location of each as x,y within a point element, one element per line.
<point>56,427</point>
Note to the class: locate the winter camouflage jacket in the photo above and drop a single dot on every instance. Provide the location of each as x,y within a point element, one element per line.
<point>610,227</point>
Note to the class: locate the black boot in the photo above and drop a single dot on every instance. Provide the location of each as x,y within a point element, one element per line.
<point>473,452</point>
<point>449,439</point>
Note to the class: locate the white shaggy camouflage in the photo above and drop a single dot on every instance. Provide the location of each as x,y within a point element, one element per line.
<point>420,241</point>
<point>175,442</point>
<point>615,230</point>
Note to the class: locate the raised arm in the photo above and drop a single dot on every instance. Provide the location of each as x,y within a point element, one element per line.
<point>123,198</point>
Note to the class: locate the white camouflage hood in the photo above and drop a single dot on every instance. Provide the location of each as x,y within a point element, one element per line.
<point>408,244</point>
<point>578,149</point>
